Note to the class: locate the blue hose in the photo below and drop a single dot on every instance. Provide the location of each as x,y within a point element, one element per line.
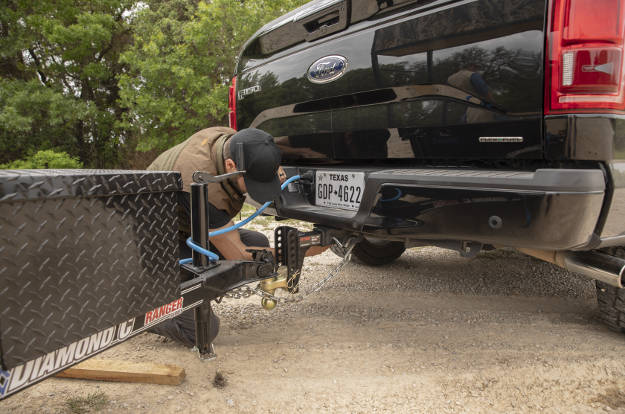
<point>397,196</point>
<point>240,223</point>
<point>212,256</point>
<point>253,216</point>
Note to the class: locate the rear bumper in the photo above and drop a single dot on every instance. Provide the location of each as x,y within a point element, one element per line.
<point>547,208</point>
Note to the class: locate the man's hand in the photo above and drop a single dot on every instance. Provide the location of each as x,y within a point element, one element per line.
<point>281,175</point>
<point>231,247</point>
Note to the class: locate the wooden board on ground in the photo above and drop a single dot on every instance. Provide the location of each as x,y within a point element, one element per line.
<point>125,371</point>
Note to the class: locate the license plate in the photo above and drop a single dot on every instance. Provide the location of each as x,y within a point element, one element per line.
<point>339,189</point>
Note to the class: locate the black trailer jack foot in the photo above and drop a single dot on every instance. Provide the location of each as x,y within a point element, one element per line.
<point>205,331</point>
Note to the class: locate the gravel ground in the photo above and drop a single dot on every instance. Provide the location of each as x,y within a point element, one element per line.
<point>431,333</point>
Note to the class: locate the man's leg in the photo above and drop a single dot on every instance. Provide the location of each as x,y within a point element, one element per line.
<point>253,238</point>
<point>182,327</point>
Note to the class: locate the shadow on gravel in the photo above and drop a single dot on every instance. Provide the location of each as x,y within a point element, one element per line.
<point>429,286</point>
<point>613,398</point>
<point>499,272</point>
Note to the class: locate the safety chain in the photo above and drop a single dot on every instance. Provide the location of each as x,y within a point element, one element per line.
<point>240,293</point>
<point>247,291</point>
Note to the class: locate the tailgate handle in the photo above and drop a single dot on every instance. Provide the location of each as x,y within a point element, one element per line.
<point>325,22</point>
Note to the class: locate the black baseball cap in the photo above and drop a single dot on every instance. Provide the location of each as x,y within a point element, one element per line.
<point>255,152</point>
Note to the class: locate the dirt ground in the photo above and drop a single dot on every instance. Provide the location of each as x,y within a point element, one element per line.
<point>431,333</point>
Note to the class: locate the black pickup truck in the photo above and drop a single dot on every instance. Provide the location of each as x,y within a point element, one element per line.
<point>466,124</point>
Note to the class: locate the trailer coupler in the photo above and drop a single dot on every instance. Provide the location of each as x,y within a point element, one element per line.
<point>291,247</point>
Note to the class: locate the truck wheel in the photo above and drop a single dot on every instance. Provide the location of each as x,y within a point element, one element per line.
<point>378,254</point>
<point>611,300</point>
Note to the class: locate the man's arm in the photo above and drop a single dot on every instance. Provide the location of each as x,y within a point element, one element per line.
<point>232,248</point>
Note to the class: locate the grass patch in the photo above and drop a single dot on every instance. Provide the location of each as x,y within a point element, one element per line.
<point>90,403</point>
<point>247,210</point>
<point>263,220</point>
<point>302,225</point>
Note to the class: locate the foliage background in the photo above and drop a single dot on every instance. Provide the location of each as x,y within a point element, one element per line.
<point>110,83</point>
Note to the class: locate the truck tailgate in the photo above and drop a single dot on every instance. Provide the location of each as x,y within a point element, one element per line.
<point>435,80</point>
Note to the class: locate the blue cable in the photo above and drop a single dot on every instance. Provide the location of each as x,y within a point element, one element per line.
<point>212,256</point>
<point>253,216</point>
<point>289,181</point>
<point>397,196</point>
<point>240,223</point>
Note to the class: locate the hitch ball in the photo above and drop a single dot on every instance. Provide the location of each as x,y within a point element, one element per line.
<point>268,304</point>
<point>270,285</point>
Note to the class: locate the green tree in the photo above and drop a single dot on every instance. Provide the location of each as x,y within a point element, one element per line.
<point>181,62</point>
<point>99,79</point>
<point>44,159</point>
<point>59,62</point>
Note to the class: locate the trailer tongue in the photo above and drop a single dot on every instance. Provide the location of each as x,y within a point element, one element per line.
<point>90,259</point>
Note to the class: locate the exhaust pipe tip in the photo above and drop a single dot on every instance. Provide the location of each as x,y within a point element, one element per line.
<point>596,265</point>
<point>592,264</point>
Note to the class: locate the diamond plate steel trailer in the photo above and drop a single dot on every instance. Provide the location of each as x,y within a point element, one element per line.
<point>89,259</point>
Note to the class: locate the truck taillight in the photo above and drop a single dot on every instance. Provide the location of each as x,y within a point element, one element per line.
<point>584,56</point>
<point>232,104</point>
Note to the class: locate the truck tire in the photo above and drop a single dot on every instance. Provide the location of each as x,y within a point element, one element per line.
<point>378,254</point>
<point>611,300</point>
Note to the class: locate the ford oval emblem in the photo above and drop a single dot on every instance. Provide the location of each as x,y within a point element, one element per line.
<point>327,69</point>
